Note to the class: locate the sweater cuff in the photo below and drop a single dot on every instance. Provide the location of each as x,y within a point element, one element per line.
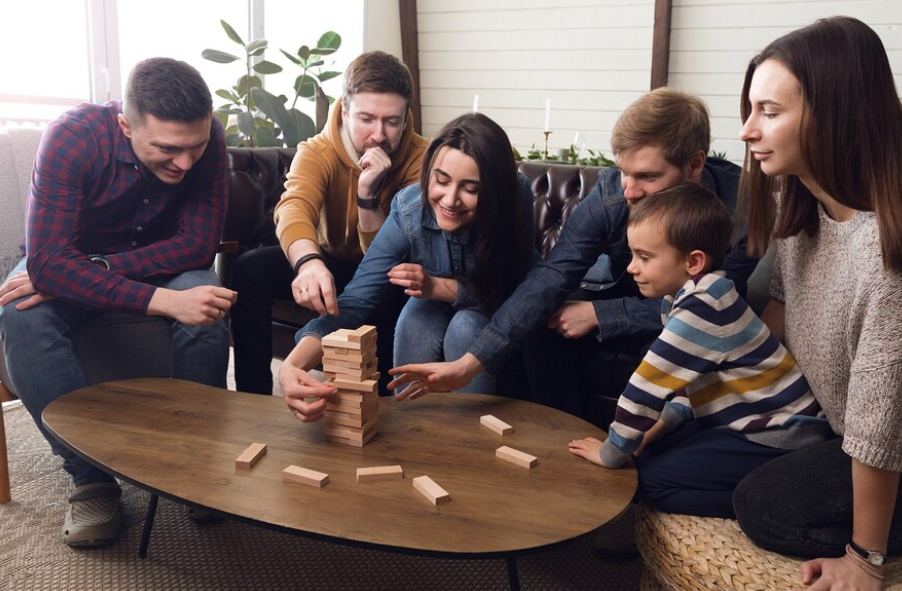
<point>671,417</point>
<point>612,456</point>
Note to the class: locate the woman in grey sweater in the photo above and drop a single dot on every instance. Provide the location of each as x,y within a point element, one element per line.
<point>823,176</point>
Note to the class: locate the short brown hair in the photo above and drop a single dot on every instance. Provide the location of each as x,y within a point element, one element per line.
<point>169,90</point>
<point>675,121</point>
<point>691,218</point>
<point>377,71</point>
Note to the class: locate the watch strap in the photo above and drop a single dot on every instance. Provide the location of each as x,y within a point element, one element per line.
<point>306,258</point>
<point>871,556</point>
<point>368,203</point>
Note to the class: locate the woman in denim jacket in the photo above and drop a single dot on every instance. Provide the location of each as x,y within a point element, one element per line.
<point>458,243</point>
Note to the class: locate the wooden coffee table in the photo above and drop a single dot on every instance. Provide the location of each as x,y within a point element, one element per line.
<point>179,440</point>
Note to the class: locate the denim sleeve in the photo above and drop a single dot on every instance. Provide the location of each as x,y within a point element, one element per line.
<point>583,239</point>
<point>630,316</point>
<point>370,283</point>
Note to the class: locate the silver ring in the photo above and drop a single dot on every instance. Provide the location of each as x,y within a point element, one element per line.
<point>294,411</point>
<point>303,289</point>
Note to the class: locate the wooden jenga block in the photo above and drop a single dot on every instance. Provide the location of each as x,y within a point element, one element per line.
<point>332,354</point>
<point>356,399</point>
<point>432,491</point>
<point>368,409</point>
<point>305,476</point>
<point>343,418</point>
<point>379,473</point>
<point>356,385</point>
<point>351,442</point>
<point>361,334</point>
<point>516,457</point>
<point>339,339</point>
<point>249,457</point>
<point>352,433</point>
<point>495,424</point>
<point>357,375</point>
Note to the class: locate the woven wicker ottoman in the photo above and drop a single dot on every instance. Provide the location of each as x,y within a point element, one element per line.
<point>681,552</point>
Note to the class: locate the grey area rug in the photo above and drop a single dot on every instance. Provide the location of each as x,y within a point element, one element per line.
<point>234,556</point>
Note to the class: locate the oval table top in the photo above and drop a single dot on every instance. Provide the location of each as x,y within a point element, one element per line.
<point>180,440</point>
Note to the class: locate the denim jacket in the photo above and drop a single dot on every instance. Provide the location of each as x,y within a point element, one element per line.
<point>594,240</point>
<point>411,234</point>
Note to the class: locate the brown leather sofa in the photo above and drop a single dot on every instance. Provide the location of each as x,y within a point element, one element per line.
<point>256,177</point>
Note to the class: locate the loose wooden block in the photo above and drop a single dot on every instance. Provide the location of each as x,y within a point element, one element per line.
<point>516,457</point>
<point>379,473</point>
<point>304,476</point>
<point>249,457</point>
<point>339,339</point>
<point>359,335</point>
<point>432,491</point>
<point>356,385</point>
<point>495,424</point>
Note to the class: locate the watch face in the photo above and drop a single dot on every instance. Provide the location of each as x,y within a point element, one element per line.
<point>876,558</point>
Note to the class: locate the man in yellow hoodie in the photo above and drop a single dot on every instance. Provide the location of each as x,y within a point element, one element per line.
<point>337,195</point>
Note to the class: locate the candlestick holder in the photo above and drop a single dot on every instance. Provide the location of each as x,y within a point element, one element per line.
<point>545,146</point>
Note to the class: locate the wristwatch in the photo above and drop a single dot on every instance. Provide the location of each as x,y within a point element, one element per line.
<point>872,556</point>
<point>368,203</point>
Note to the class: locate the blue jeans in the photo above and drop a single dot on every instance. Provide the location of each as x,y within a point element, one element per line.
<point>43,366</point>
<point>430,331</point>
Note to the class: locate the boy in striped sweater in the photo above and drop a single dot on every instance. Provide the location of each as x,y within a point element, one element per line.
<point>716,390</point>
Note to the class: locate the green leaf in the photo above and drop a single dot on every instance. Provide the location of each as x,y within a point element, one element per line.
<point>323,76</point>
<point>304,52</point>
<point>300,128</point>
<point>236,140</point>
<point>223,118</point>
<point>266,67</point>
<point>227,95</point>
<point>291,57</point>
<point>257,45</point>
<point>231,33</point>
<point>329,41</point>
<point>270,105</point>
<point>305,86</point>
<point>220,57</point>
<point>266,137</point>
<point>316,63</point>
<point>243,84</point>
<point>246,124</point>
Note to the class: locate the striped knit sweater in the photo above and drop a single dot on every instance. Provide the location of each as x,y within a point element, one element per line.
<point>717,362</point>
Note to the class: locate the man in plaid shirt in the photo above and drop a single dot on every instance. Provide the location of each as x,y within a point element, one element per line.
<point>125,212</point>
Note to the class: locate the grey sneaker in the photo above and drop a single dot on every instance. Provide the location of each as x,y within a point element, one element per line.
<point>92,518</point>
<point>617,538</point>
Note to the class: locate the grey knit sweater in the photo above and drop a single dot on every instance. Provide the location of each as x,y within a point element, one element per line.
<point>844,327</point>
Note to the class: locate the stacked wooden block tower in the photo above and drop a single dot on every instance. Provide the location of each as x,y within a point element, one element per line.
<point>349,360</point>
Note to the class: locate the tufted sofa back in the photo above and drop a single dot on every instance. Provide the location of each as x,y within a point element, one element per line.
<point>257,176</point>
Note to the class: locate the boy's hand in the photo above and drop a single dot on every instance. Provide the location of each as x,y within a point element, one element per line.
<point>587,448</point>
<point>574,320</point>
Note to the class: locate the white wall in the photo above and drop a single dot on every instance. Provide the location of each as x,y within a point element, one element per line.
<point>382,27</point>
<point>712,42</point>
<point>590,57</point>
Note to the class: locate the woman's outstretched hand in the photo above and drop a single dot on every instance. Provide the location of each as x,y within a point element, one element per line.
<point>422,378</point>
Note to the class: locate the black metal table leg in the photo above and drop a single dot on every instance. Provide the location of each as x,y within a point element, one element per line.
<point>148,525</point>
<point>512,574</point>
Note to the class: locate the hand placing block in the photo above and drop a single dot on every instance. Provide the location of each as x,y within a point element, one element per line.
<point>379,473</point>
<point>305,476</point>
<point>429,489</point>
<point>249,457</point>
<point>495,424</point>
<point>516,457</point>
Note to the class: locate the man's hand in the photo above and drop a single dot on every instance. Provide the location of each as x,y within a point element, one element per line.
<point>824,574</point>
<point>435,377</point>
<point>19,286</point>
<point>297,385</point>
<point>418,283</point>
<point>202,305</point>
<point>314,288</point>
<point>574,320</point>
<point>374,164</point>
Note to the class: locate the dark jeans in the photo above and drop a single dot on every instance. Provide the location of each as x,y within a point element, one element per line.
<point>263,275</point>
<point>693,471</point>
<point>801,504</point>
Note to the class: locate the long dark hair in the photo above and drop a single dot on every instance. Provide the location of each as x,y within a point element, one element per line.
<point>850,135</point>
<point>502,249</point>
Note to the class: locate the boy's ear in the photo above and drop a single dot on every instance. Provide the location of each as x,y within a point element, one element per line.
<point>696,261</point>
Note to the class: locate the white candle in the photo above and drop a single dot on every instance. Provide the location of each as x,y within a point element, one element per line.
<point>475,103</point>
<point>548,114</point>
